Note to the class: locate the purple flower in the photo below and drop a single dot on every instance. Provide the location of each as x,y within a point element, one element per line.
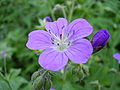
<point>3,52</point>
<point>62,41</point>
<point>117,56</point>
<point>100,39</point>
<point>47,19</point>
<point>52,89</point>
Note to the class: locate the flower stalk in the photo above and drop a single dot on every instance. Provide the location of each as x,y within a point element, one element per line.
<point>5,69</point>
<point>71,10</point>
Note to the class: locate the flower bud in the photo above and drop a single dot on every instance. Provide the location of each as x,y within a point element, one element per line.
<point>81,71</point>
<point>69,2</point>
<point>35,75</point>
<point>85,69</point>
<point>38,83</point>
<point>100,39</point>
<point>81,75</point>
<point>42,22</point>
<point>47,19</point>
<point>47,84</point>
<point>57,8</point>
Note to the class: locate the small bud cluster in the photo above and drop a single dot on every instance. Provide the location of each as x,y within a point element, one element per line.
<point>81,71</point>
<point>41,80</point>
<point>42,22</point>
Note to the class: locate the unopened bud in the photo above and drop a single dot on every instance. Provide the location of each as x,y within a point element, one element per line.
<point>57,8</point>
<point>47,19</point>
<point>85,70</point>
<point>69,2</point>
<point>47,84</point>
<point>43,22</point>
<point>38,83</point>
<point>35,75</point>
<point>100,39</point>
<point>81,74</point>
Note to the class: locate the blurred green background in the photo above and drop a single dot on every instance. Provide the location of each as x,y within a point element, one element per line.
<point>19,17</point>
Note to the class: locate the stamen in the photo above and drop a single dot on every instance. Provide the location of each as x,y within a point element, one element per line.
<point>60,36</point>
<point>49,31</point>
<point>58,44</point>
<point>52,39</point>
<point>54,35</point>
<point>63,26</point>
<point>68,43</point>
<point>52,42</point>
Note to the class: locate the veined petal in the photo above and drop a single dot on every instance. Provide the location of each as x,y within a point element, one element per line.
<point>53,60</point>
<point>100,38</point>
<point>56,27</point>
<point>80,28</point>
<point>38,39</point>
<point>80,51</point>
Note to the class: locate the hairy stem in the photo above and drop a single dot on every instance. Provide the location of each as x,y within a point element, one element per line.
<point>71,10</point>
<point>64,13</point>
<point>5,70</point>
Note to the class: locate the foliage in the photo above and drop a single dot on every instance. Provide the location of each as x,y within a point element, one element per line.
<point>19,17</point>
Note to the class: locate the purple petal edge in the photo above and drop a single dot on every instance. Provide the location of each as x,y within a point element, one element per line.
<point>117,56</point>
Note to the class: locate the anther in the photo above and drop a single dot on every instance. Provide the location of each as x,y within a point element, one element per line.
<point>52,39</point>
<point>68,43</point>
<point>52,42</point>
<point>58,44</point>
<point>63,26</point>
<point>49,31</point>
<point>60,36</point>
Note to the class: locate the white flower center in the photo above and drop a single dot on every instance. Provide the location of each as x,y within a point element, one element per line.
<point>61,44</point>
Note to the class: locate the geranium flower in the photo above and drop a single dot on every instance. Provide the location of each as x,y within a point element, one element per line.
<point>100,39</point>
<point>62,41</point>
<point>117,56</point>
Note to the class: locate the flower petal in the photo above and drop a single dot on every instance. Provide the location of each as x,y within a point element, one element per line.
<point>52,60</point>
<point>117,56</point>
<point>100,38</point>
<point>56,26</point>
<point>38,39</point>
<point>80,51</point>
<point>80,28</point>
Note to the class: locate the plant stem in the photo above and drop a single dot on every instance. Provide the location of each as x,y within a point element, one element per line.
<point>45,73</point>
<point>71,10</point>
<point>52,12</point>
<point>53,15</point>
<point>5,70</point>
<point>64,13</point>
